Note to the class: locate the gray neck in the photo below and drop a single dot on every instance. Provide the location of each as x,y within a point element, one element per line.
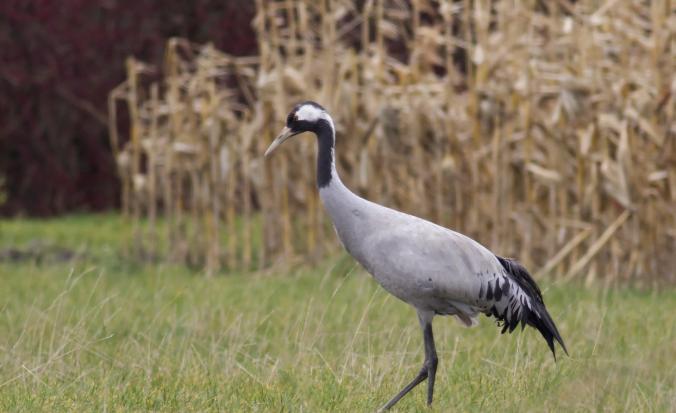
<point>331,189</point>
<point>347,210</point>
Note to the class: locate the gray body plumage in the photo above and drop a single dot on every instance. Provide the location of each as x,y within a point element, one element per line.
<point>433,268</point>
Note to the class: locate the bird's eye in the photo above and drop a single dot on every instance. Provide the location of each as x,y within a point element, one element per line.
<point>289,119</point>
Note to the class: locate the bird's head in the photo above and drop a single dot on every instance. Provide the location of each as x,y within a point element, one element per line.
<point>305,117</point>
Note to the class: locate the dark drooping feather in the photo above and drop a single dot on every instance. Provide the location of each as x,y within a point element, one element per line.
<point>535,316</point>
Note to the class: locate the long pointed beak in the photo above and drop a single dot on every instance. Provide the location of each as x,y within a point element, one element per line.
<point>284,135</point>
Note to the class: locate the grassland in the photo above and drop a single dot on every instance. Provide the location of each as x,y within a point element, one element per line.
<point>97,333</point>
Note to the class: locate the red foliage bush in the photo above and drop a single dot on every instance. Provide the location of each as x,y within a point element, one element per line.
<point>58,61</point>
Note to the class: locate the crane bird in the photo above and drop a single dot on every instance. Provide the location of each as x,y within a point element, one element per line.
<point>434,269</point>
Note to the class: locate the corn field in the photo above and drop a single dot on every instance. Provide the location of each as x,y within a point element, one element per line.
<point>545,130</point>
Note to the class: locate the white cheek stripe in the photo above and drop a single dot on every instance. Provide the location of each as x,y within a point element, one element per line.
<point>312,113</point>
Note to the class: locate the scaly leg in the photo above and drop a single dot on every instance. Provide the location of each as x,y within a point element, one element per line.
<point>429,368</point>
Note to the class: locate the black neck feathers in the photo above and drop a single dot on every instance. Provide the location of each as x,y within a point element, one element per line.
<point>325,159</point>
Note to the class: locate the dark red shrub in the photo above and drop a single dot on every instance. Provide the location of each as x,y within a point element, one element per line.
<point>58,61</point>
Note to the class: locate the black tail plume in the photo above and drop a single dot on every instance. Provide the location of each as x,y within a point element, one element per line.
<point>537,316</point>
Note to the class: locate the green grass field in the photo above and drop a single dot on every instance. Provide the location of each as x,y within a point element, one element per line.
<point>100,334</point>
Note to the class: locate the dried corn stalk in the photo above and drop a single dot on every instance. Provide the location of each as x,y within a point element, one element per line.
<point>544,130</point>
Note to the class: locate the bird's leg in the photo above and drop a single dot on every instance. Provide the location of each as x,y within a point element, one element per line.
<point>429,367</point>
<point>418,379</point>
<point>431,360</point>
